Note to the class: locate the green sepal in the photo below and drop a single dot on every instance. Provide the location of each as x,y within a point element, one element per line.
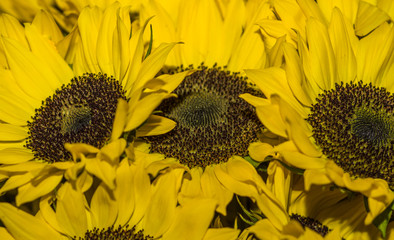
<point>252,215</point>
<point>383,219</point>
<point>295,170</point>
<point>254,163</point>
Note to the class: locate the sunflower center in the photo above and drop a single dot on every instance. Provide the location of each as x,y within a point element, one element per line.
<point>374,127</point>
<point>74,118</point>
<point>81,111</point>
<point>202,109</point>
<point>213,122</point>
<point>311,224</point>
<point>354,126</point>
<point>120,233</point>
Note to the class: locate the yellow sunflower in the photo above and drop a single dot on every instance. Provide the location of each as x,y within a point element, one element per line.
<point>135,209</point>
<point>219,39</point>
<point>333,102</point>
<point>45,104</point>
<point>281,208</point>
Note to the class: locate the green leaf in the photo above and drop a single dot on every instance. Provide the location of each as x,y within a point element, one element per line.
<point>382,220</point>
<point>150,42</point>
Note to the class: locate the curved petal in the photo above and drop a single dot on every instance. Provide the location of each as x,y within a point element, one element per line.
<point>38,187</point>
<point>155,125</point>
<point>24,226</point>
<point>221,234</point>
<point>15,155</point>
<point>70,211</point>
<point>197,213</point>
<point>103,208</point>
<point>212,188</point>
<point>10,132</point>
<point>101,169</point>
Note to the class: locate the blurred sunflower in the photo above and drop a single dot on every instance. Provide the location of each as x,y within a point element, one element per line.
<point>282,209</point>
<point>11,28</point>
<point>65,12</point>
<point>135,209</point>
<point>213,123</point>
<point>45,105</point>
<point>334,103</point>
<point>363,15</point>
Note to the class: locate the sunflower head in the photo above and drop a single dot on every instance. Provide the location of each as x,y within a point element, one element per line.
<point>112,233</point>
<point>81,111</point>
<point>353,124</point>
<point>213,122</point>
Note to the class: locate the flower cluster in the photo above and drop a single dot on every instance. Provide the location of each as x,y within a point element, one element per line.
<point>196,119</point>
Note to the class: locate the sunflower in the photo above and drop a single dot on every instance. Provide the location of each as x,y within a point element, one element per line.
<point>337,113</point>
<point>213,123</point>
<point>45,104</point>
<point>135,209</point>
<point>279,206</point>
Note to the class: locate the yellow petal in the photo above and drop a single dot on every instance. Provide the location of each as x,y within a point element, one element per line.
<point>73,171</point>
<point>172,81</point>
<point>120,119</point>
<point>253,100</point>
<point>57,70</point>
<point>274,81</point>
<point>212,188</point>
<point>101,169</point>
<point>78,149</point>
<point>298,130</point>
<point>5,235</point>
<point>105,41</point>
<point>264,229</point>
<point>10,132</point>
<point>89,22</point>
<point>15,182</point>
<point>155,125</point>
<point>303,161</point>
<point>47,26</point>
<point>221,234</point>
<point>197,213</point>
<point>142,193</point>
<point>200,16</point>
<point>376,48</point>
<point>259,151</point>
<point>48,214</point>
<point>124,191</point>
<point>23,167</point>
<point>112,151</point>
<point>144,108</point>
<point>161,210</point>
<point>153,63</point>
<point>15,155</point>
<point>70,211</point>
<point>344,55</point>
<point>191,187</point>
<point>103,208</point>
<point>321,56</point>
<point>39,187</point>
<point>296,78</point>
<point>24,226</point>
<point>368,18</point>
<point>315,176</point>
<point>28,70</point>
<point>269,115</point>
